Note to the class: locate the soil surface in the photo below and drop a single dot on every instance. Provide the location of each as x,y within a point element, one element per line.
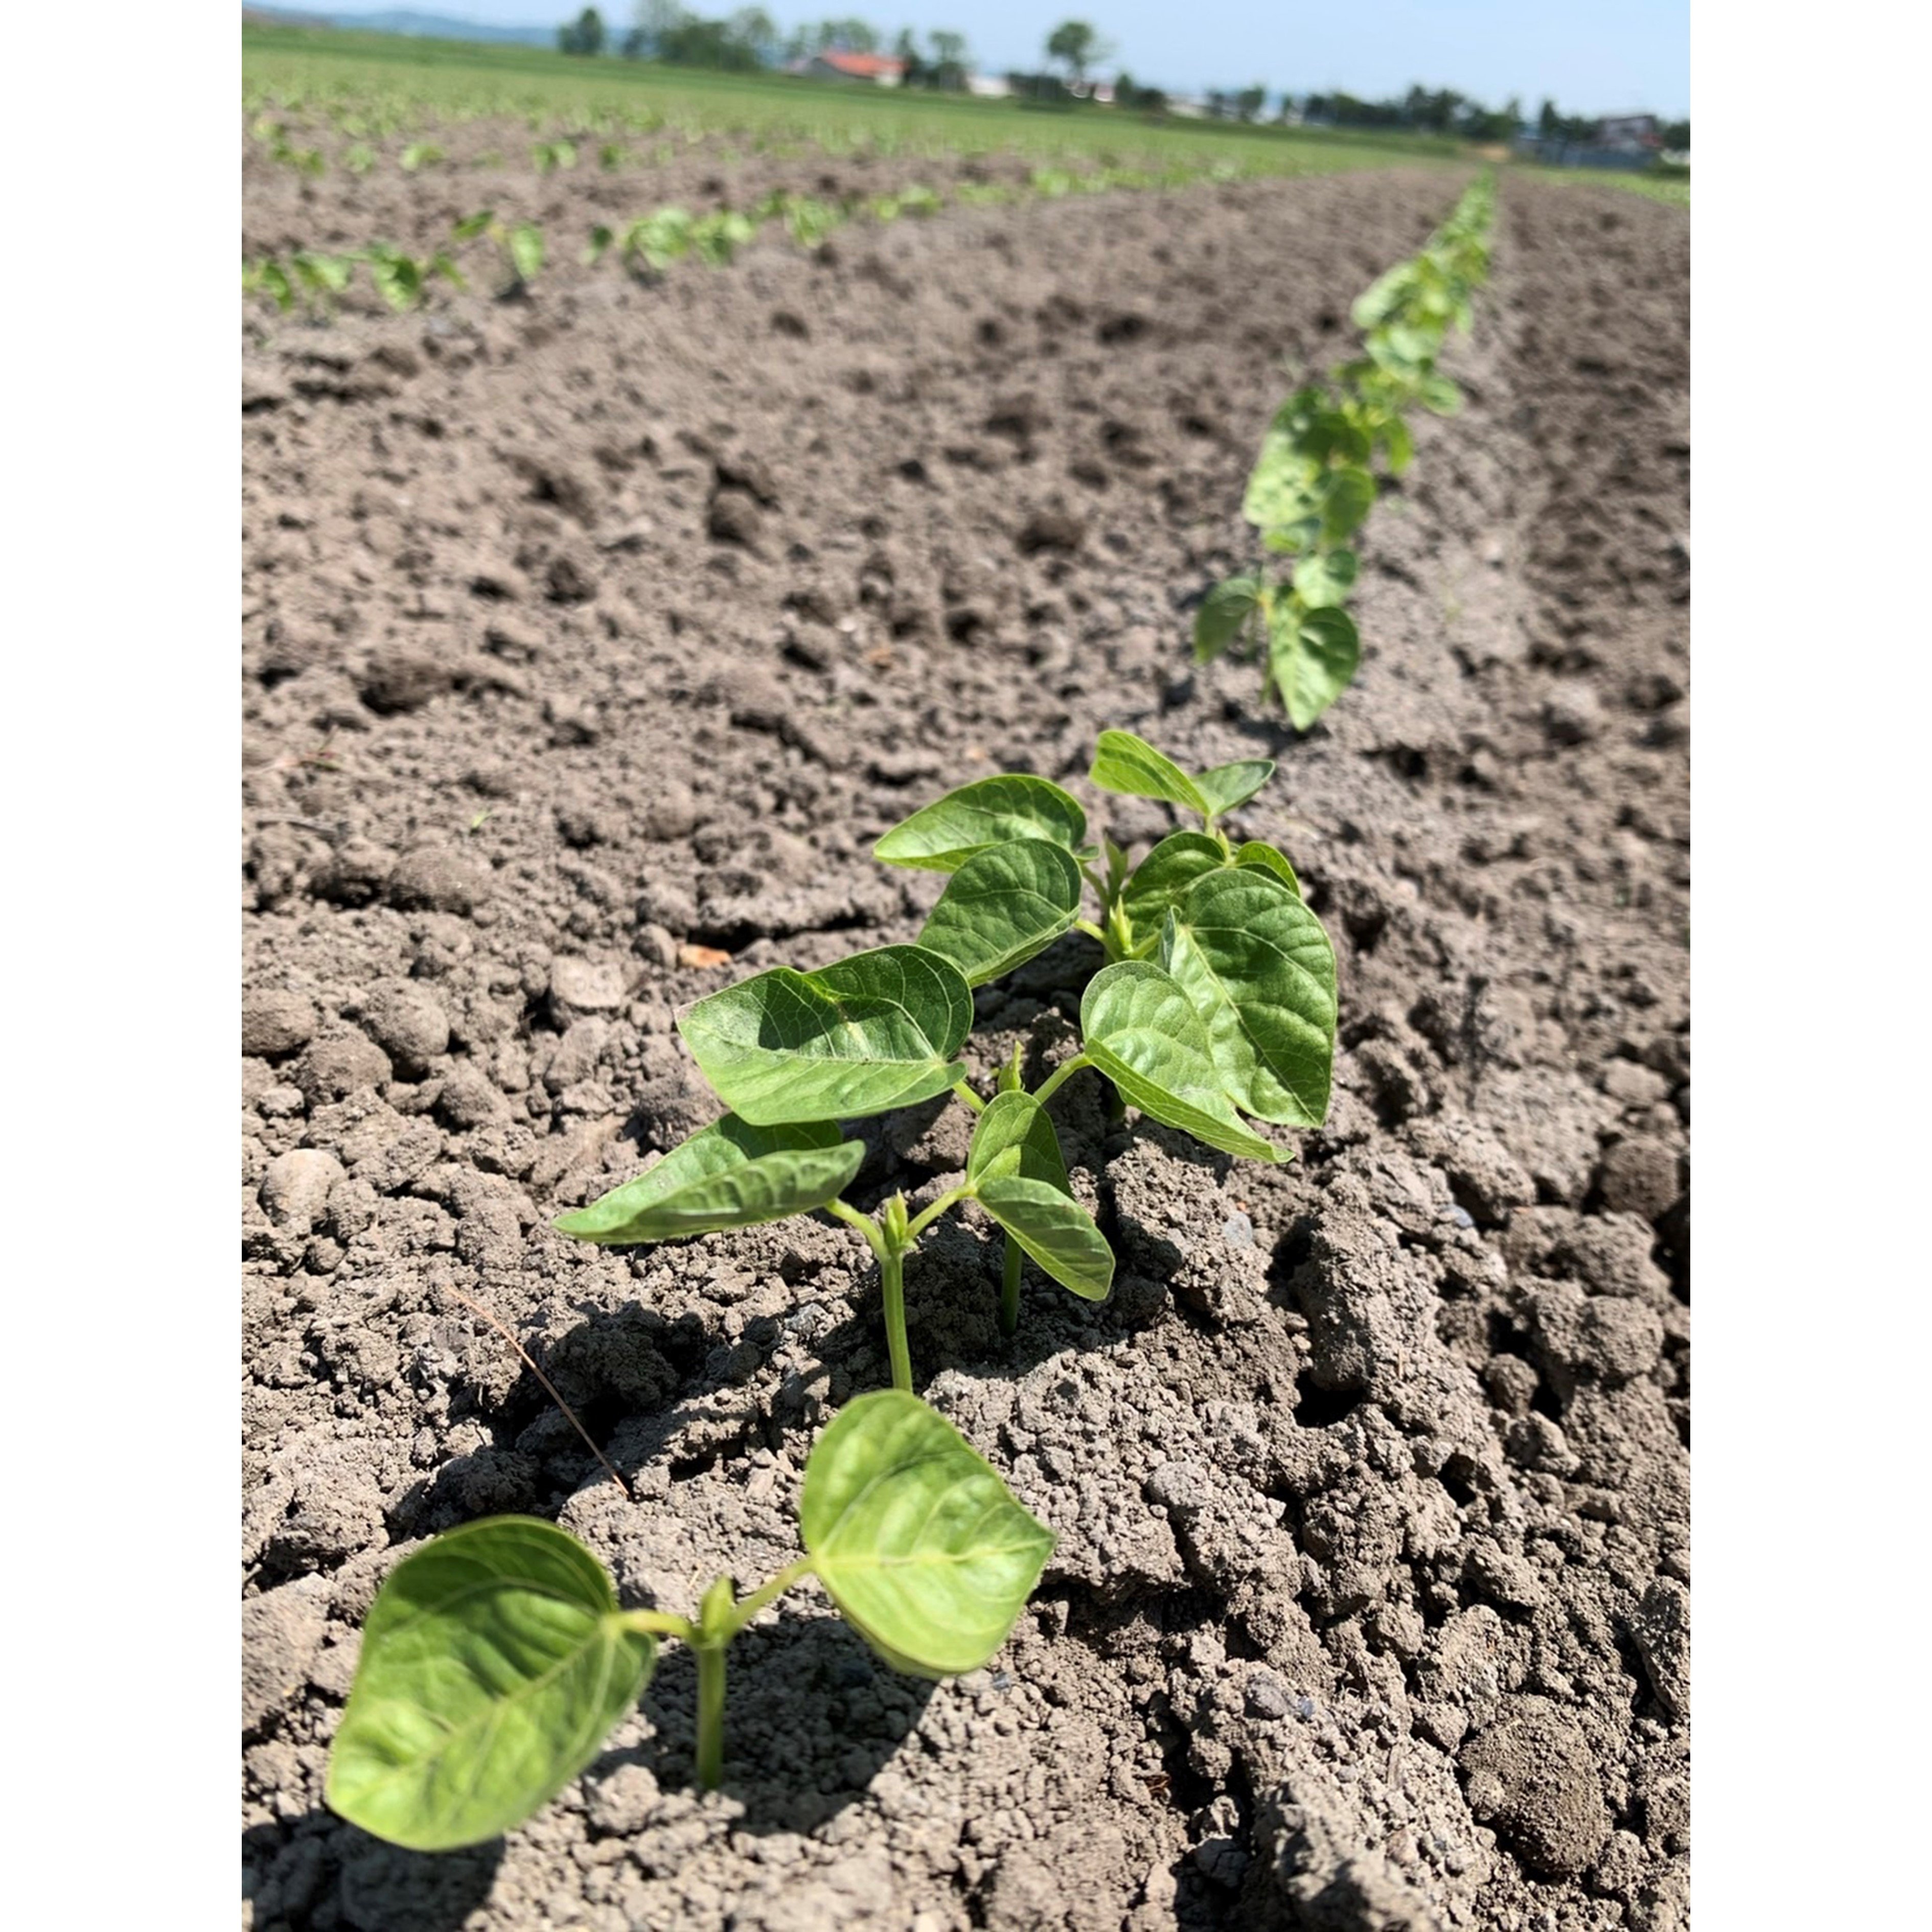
<point>585,630</point>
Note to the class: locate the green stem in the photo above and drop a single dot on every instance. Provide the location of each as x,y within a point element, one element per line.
<point>1009,1288</point>
<point>1059,1077</point>
<point>891,1287</point>
<point>925,1220</point>
<point>661,1623</point>
<point>710,1657</point>
<point>1092,931</point>
<point>966,1093</point>
<point>746,1608</point>
<point>866,1225</point>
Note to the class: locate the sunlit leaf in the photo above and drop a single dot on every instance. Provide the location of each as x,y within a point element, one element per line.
<point>921,1545</point>
<point>865,1035</point>
<point>493,1665</point>
<point>731,1175</point>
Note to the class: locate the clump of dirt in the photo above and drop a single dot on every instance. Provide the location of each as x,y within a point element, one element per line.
<point>588,633</point>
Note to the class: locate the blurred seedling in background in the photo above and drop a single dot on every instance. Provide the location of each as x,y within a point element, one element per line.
<point>520,246</point>
<point>1313,485</point>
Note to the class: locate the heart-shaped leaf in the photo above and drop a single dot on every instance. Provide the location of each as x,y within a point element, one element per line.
<point>1254,853</point>
<point>1225,786</point>
<point>923,1547</point>
<point>865,1035</point>
<point>1324,579</point>
<point>1284,487</point>
<point>1165,874</point>
<point>1054,1229</point>
<point>942,836</point>
<point>1223,614</point>
<point>494,1663</point>
<point>1002,906</point>
<point>1348,496</point>
<point>1312,656</point>
<point>1123,763</point>
<point>1258,968</point>
<point>1141,1030</point>
<point>730,1175</point>
<point>1015,1136</point>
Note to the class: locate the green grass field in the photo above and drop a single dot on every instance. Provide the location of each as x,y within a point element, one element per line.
<point>370,84</point>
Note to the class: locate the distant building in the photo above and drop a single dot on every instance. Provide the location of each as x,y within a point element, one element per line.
<point>1629,133</point>
<point>989,86</point>
<point>877,69</point>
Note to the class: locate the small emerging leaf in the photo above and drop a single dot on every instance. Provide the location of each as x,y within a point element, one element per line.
<point>862,1036</point>
<point>942,836</point>
<point>1004,904</point>
<point>1348,496</point>
<point>731,1175</point>
<point>1255,852</point>
<point>922,1547</point>
<point>1124,764</point>
<point>1224,613</point>
<point>1225,787</point>
<point>1141,1030</point>
<point>526,251</point>
<point>1258,968</point>
<point>493,1665</point>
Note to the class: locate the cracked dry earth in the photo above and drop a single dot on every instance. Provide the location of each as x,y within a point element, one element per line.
<point>582,632</point>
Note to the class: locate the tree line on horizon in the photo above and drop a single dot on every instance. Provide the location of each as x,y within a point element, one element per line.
<point>749,39</point>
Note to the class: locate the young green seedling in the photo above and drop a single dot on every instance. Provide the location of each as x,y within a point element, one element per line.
<point>1219,1002</point>
<point>402,280</point>
<point>496,1659</point>
<point>519,244</point>
<point>1312,485</point>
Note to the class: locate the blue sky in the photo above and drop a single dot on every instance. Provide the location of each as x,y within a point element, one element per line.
<point>1591,58</point>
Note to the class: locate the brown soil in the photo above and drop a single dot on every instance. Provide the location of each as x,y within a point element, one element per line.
<point>584,629</point>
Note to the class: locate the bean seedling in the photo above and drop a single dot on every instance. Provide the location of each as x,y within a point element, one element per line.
<point>1218,1002</point>
<point>496,1659</point>
<point>1313,486</point>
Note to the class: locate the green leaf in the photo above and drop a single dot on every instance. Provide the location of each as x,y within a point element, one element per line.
<point>527,250</point>
<point>1282,489</point>
<point>942,836</point>
<point>1255,852</point>
<point>1439,395</point>
<point>1224,613</point>
<point>862,1036</point>
<point>1123,763</point>
<point>471,226</point>
<point>1015,1137</point>
<point>1142,1032</point>
<point>1311,657</point>
<point>731,1175</point>
<point>1225,786</point>
<point>922,1547</point>
<point>1348,496</point>
<point>1055,1230</point>
<point>1324,580</point>
<point>1166,873</point>
<point>1004,904</point>
<point>1400,445</point>
<point>1258,968</point>
<point>493,1665</point>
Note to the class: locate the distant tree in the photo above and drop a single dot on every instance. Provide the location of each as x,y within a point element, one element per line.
<point>1547,121</point>
<point>583,35</point>
<point>1675,135</point>
<point>753,28</point>
<point>948,68</point>
<point>912,71</point>
<point>1075,44</point>
<point>1250,102</point>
